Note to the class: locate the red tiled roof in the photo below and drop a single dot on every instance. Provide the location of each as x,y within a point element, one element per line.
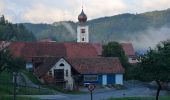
<point>44,49</point>
<point>81,65</point>
<point>16,48</point>
<point>70,50</point>
<point>128,49</point>
<point>98,48</point>
<point>97,65</point>
<point>80,50</point>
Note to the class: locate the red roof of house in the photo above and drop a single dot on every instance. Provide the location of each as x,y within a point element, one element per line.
<point>81,65</point>
<point>69,50</point>
<point>98,48</point>
<point>101,65</point>
<point>128,49</point>
<point>16,48</point>
<point>80,50</point>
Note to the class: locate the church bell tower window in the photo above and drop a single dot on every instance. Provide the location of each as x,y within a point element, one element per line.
<point>83,31</point>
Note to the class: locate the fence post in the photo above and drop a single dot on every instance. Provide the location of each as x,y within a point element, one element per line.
<point>39,87</point>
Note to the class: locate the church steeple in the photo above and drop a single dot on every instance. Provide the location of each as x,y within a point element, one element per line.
<point>82,17</point>
<point>82,29</point>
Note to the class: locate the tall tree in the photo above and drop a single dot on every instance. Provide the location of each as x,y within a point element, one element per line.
<point>156,65</point>
<point>114,49</point>
<point>5,57</point>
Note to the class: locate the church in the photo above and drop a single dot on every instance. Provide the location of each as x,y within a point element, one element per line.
<point>70,64</point>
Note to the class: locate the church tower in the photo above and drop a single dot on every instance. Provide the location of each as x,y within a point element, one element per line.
<point>82,29</point>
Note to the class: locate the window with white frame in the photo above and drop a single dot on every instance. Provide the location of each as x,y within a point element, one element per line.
<point>90,78</point>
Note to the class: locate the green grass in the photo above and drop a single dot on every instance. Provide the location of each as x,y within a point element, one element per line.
<point>140,98</point>
<point>31,77</point>
<point>5,80</point>
<point>18,98</point>
<point>59,89</point>
<point>6,87</point>
<point>32,91</point>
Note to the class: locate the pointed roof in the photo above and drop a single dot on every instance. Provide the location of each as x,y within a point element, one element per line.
<point>82,17</point>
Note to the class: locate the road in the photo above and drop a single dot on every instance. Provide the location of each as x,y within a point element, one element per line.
<point>132,90</point>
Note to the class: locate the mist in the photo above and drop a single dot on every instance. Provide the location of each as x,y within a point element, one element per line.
<point>68,27</point>
<point>149,38</point>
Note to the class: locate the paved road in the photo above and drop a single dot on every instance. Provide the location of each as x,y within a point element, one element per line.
<point>132,90</point>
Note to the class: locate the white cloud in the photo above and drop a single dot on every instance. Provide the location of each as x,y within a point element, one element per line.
<point>56,10</point>
<point>41,13</point>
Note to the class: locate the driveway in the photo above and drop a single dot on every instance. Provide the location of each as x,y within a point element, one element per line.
<point>132,90</point>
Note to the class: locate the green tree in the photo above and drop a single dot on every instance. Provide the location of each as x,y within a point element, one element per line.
<point>114,49</point>
<point>7,61</point>
<point>155,65</point>
<point>4,59</point>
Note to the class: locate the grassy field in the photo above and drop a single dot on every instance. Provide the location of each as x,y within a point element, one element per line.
<point>18,98</point>
<point>140,98</point>
<point>6,87</point>
<point>5,80</point>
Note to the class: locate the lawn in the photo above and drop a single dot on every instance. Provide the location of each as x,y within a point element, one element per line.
<point>5,83</point>
<point>18,98</point>
<point>140,98</point>
<point>6,87</point>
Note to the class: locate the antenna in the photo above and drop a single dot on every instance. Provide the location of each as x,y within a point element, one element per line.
<point>82,4</point>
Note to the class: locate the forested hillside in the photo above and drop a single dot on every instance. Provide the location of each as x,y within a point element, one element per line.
<point>14,32</point>
<point>136,28</point>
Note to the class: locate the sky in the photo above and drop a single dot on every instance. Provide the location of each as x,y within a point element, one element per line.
<point>49,11</point>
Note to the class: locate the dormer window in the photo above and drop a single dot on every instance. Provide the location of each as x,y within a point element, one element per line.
<point>83,31</point>
<point>61,65</point>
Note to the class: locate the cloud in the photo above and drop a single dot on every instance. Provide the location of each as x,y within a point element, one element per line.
<point>57,10</point>
<point>41,13</point>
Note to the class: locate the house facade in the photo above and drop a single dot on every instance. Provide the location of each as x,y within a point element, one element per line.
<point>72,72</point>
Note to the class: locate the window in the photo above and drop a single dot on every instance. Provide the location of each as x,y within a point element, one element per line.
<point>61,64</point>
<point>50,73</point>
<point>90,78</point>
<point>133,59</point>
<point>82,39</point>
<point>83,31</point>
<point>67,73</point>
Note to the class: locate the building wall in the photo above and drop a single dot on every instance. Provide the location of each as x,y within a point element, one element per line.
<point>69,80</point>
<point>82,35</point>
<point>132,60</point>
<point>119,79</point>
<point>105,79</point>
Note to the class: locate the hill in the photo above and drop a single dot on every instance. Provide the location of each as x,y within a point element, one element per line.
<point>123,27</point>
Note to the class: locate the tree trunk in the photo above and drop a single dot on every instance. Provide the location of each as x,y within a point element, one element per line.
<point>158,90</point>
